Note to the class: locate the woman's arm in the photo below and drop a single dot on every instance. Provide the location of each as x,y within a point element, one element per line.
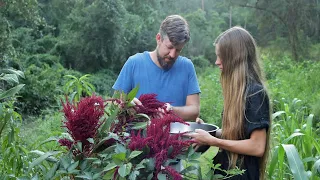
<point>255,146</point>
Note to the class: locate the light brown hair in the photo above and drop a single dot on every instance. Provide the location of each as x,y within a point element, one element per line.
<point>241,66</point>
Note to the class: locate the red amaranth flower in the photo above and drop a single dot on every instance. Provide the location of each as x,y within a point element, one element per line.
<point>66,142</point>
<point>173,173</point>
<point>82,119</point>
<point>158,139</point>
<point>150,105</point>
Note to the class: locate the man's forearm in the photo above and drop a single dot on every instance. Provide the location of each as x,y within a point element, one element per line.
<point>187,113</point>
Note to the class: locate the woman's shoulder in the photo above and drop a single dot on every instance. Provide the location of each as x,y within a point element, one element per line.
<point>254,88</point>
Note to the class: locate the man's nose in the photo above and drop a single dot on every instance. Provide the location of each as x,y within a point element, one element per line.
<point>173,53</point>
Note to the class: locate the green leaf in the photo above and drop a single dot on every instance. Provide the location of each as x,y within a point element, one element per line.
<point>273,162</point>
<point>143,115</point>
<point>134,154</point>
<point>73,166</point>
<point>140,125</point>
<point>11,78</point>
<point>150,164</point>
<point>90,140</point>
<point>150,176</point>
<point>109,167</point>
<point>316,170</point>
<point>42,158</point>
<point>132,94</point>
<point>295,163</point>
<point>52,171</point>
<point>65,162</point>
<point>188,169</point>
<point>83,165</point>
<point>292,136</point>
<point>276,114</point>
<point>119,158</point>
<point>161,176</point>
<point>133,175</point>
<point>79,146</point>
<point>109,174</point>
<point>85,176</point>
<point>125,169</point>
<point>96,175</point>
<point>40,153</point>
<point>16,72</point>
<point>106,125</point>
<point>120,148</point>
<point>49,140</point>
<point>281,155</point>
<point>11,92</point>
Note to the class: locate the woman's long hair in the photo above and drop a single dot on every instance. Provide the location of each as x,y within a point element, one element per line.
<point>240,66</point>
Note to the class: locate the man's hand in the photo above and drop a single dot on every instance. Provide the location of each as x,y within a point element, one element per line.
<point>200,121</point>
<point>136,101</point>
<point>168,107</point>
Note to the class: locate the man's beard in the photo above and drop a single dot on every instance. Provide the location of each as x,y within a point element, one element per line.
<point>165,65</point>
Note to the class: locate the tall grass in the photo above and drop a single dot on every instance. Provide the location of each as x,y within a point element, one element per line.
<point>294,137</point>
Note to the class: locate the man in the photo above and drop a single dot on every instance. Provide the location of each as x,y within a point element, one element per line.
<point>164,72</point>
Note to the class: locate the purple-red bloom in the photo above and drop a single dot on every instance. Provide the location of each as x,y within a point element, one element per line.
<point>173,173</point>
<point>150,105</point>
<point>82,119</point>
<point>66,142</point>
<point>158,139</point>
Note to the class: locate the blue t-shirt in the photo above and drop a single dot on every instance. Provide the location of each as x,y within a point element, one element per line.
<point>172,86</point>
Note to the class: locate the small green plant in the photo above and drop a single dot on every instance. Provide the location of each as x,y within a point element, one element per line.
<point>78,87</point>
<point>12,153</point>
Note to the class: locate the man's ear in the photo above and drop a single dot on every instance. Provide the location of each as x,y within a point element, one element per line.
<point>158,37</point>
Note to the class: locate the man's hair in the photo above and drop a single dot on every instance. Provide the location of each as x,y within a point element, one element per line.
<point>176,29</point>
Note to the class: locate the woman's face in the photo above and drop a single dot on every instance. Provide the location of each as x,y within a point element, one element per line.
<point>218,60</point>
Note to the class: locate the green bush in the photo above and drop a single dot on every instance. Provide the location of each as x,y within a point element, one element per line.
<point>211,95</point>
<point>103,82</point>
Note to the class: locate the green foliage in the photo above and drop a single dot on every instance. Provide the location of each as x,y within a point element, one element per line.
<point>292,125</point>
<point>4,38</point>
<point>43,86</point>
<point>93,36</point>
<point>200,62</point>
<point>12,153</point>
<point>283,74</point>
<point>315,52</point>
<point>204,28</point>
<point>103,82</point>
<point>78,87</point>
<point>211,96</point>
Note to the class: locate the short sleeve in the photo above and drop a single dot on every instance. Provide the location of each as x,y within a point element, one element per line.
<point>193,85</point>
<point>257,114</point>
<point>124,81</point>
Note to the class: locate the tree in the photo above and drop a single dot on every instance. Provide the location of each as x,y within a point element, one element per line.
<point>296,16</point>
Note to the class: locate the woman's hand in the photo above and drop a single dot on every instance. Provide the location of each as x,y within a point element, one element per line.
<point>203,137</point>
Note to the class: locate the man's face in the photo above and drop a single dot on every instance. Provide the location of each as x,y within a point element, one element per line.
<point>166,52</point>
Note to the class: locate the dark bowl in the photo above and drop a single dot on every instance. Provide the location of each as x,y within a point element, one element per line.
<point>176,128</point>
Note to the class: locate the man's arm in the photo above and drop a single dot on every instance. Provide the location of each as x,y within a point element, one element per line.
<point>191,110</point>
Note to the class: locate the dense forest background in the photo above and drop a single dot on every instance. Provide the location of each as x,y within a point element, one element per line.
<point>69,47</point>
<point>47,39</point>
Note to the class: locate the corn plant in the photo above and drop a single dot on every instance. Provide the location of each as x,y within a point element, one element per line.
<point>12,153</point>
<point>294,138</point>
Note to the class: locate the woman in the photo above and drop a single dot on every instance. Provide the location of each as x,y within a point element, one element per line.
<point>246,115</point>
